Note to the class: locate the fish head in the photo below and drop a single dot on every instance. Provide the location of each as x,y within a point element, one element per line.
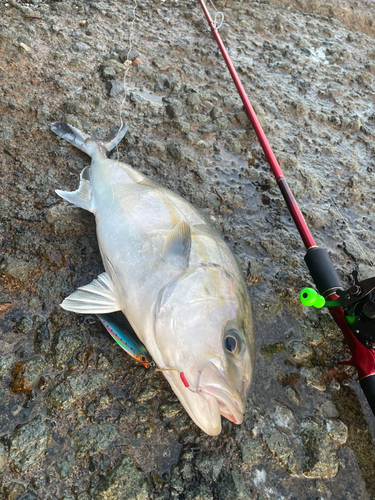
<point>204,330</point>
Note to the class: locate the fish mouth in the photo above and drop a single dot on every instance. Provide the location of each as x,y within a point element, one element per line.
<point>213,384</point>
<point>228,405</point>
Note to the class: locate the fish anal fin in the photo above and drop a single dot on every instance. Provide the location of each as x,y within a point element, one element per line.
<point>98,297</point>
<point>82,197</point>
<point>177,246</point>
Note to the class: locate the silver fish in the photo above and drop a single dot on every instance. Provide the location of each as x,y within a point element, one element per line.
<point>173,277</point>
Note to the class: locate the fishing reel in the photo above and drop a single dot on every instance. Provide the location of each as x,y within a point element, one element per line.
<point>358,303</point>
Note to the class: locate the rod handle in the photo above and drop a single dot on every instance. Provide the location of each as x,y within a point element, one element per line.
<point>322,271</point>
<point>368,387</point>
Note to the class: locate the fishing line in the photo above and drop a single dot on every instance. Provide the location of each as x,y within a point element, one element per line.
<point>217,14</point>
<point>127,64</point>
<point>131,33</point>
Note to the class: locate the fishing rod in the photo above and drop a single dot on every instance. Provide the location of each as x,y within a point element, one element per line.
<point>352,309</point>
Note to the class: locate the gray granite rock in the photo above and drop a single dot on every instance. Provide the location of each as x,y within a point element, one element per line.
<point>28,442</point>
<point>60,397</point>
<point>233,486</point>
<point>209,465</point>
<point>96,438</point>
<point>125,481</point>
<point>65,344</point>
<point>84,383</point>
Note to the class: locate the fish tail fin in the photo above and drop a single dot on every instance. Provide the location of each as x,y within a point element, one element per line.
<point>84,142</point>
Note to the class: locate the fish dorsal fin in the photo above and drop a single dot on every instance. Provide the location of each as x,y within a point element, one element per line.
<point>177,246</point>
<point>98,297</point>
<point>82,197</point>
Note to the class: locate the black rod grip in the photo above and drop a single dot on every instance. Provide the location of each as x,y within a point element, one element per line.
<point>368,387</point>
<point>322,271</point>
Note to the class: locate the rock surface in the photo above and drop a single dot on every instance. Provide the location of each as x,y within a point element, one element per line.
<point>79,419</point>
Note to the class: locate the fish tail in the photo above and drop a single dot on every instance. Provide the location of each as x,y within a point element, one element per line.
<point>83,142</point>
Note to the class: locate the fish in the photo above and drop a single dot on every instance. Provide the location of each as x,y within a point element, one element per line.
<point>174,278</point>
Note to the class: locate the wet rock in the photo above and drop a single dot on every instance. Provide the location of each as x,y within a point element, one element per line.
<point>143,412</point>
<point>232,486</point>
<point>13,491</point>
<point>5,364</point>
<point>320,458</point>
<point>200,492</point>
<point>23,325</point>
<point>251,451</point>
<point>174,110</point>
<point>178,153</point>
<point>6,132</point>
<point>125,481</point>
<point>156,480</point>
<point>25,374</point>
<point>281,446</point>
<point>273,247</point>
<point>149,391</point>
<point>81,47</point>
<point>60,397</point>
<point>175,480</point>
<point>267,351</point>
<point>310,333</point>
<point>170,409</point>
<point>64,469</point>
<point>293,395</point>
<point>76,107</point>
<point>49,286</point>
<point>193,99</point>
<point>329,410</point>
<point>41,339</point>
<point>3,458</point>
<point>65,219</point>
<point>65,344</point>
<point>299,350</point>
<point>28,442</point>
<point>96,438</point>
<point>17,268</point>
<point>209,465</point>
<point>284,418</point>
<point>30,495</point>
<point>84,496</point>
<point>83,384</point>
<point>314,377</point>
<point>337,431</point>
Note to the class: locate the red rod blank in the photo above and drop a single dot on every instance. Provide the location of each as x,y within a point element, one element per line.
<point>295,212</point>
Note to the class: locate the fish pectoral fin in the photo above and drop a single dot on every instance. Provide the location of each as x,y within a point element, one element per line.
<point>177,246</point>
<point>82,197</point>
<point>98,297</point>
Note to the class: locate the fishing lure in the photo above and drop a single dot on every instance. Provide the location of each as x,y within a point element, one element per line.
<point>120,330</point>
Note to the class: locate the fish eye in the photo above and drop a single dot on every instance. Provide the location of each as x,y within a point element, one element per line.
<point>143,359</point>
<point>233,342</point>
<point>230,344</point>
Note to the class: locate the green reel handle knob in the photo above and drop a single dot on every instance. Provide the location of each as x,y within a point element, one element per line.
<point>309,297</point>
